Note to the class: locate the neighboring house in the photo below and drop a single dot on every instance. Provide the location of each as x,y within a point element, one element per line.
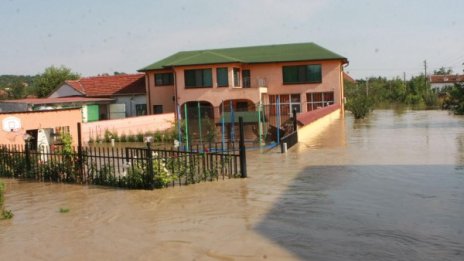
<point>303,76</point>
<point>127,92</point>
<point>438,82</point>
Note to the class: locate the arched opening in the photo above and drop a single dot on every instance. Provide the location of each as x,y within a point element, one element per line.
<point>197,124</point>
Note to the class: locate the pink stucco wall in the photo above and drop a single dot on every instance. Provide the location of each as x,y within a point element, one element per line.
<point>270,73</point>
<point>127,126</point>
<point>159,95</point>
<point>41,119</point>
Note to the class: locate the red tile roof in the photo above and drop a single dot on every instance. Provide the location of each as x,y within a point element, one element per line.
<point>58,100</point>
<point>446,78</point>
<point>98,86</point>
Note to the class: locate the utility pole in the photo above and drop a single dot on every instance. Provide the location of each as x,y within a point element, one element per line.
<point>404,77</point>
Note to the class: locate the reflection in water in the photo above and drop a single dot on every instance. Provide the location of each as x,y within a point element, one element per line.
<point>389,188</point>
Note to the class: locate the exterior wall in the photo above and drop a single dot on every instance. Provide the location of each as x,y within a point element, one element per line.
<point>41,119</point>
<point>130,102</point>
<point>159,95</point>
<point>265,78</point>
<point>214,95</point>
<point>65,91</point>
<point>132,125</point>
<point>272,73</point>
<point>313,129</point>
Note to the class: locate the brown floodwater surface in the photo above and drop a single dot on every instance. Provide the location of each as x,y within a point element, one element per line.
<point>390,187</point>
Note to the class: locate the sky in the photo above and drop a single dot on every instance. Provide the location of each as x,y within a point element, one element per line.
<point>380,38</point>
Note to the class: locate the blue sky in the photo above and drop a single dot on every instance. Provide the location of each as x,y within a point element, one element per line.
<point>380,38</point>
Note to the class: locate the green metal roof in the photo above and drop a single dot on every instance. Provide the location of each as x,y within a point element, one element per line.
<point>253,54</point>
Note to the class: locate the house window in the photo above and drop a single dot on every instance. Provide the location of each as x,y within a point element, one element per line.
<point>288,103</point>
<point>157,109</point>
<point>222,75</point>
<point>302,74</point>
<point>163,79</point>
<point>200,78</point>
<point>246,79</point>
<point>316,100</point>
<point>140,109</point>
<point>237,77</point>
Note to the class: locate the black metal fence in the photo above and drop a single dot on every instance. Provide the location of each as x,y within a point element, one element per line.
<point>146,168</point>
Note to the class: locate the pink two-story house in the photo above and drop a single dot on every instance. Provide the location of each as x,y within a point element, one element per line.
<point>302,76</point>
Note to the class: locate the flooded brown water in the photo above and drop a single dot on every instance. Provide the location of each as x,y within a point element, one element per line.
<point>387,188</point>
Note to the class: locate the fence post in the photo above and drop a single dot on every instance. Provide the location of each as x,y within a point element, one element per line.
<point>28,157</point>
<point>294,120</point>
<point>79,149</point>
<point>150,174</point>
<point>243,170</point>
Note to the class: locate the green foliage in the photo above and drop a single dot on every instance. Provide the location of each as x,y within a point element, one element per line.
<point>15,86</point>
<point>358,102</point>
<point>211,131</point>
<point>7,214</point>
<point>4,214</point>
<point>443,71</point>
<point>454,100</point>
<point>64,210</point>
<point>380,90</point>
<point>360,106</point>
<point>51,78</point>
<point>2,192</point>
<point>66,138</point>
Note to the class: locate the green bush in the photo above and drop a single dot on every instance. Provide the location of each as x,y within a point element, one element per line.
<point>4,214</point>
<point>360,106</point>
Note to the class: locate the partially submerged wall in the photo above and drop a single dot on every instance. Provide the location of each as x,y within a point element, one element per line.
<point>133,125</point>
<point>34,120</point>
<point>315,122</point>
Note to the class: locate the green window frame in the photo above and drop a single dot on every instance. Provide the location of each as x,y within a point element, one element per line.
<point>222,75</point>
<point>299,74</point>
<point>198,78</point>
<point>164,79</point>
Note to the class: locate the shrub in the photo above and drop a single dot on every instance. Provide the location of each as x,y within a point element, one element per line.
<point>4,214</point>
<point>360,106</point>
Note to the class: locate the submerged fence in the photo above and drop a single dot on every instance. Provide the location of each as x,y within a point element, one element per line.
<point>146,168</point>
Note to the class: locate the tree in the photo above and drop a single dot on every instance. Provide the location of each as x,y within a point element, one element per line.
<point>17,90</point>
<point>51,78</point>
<point>443,71</point>
<point>455,99</point>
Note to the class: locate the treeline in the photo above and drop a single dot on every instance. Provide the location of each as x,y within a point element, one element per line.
<point>383,91</point>
<point>15,86</point>
<point>21,86</point>
<point>365,95</point>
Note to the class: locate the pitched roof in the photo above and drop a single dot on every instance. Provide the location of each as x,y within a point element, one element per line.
<point>446,78</point>
<point>253,54</point>
<point>61,100</point>
<point>97,86</point>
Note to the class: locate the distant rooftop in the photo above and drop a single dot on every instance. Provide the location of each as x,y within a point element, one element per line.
<point>253,54</point>
<point>98,86</point>
<point>452,78</point>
